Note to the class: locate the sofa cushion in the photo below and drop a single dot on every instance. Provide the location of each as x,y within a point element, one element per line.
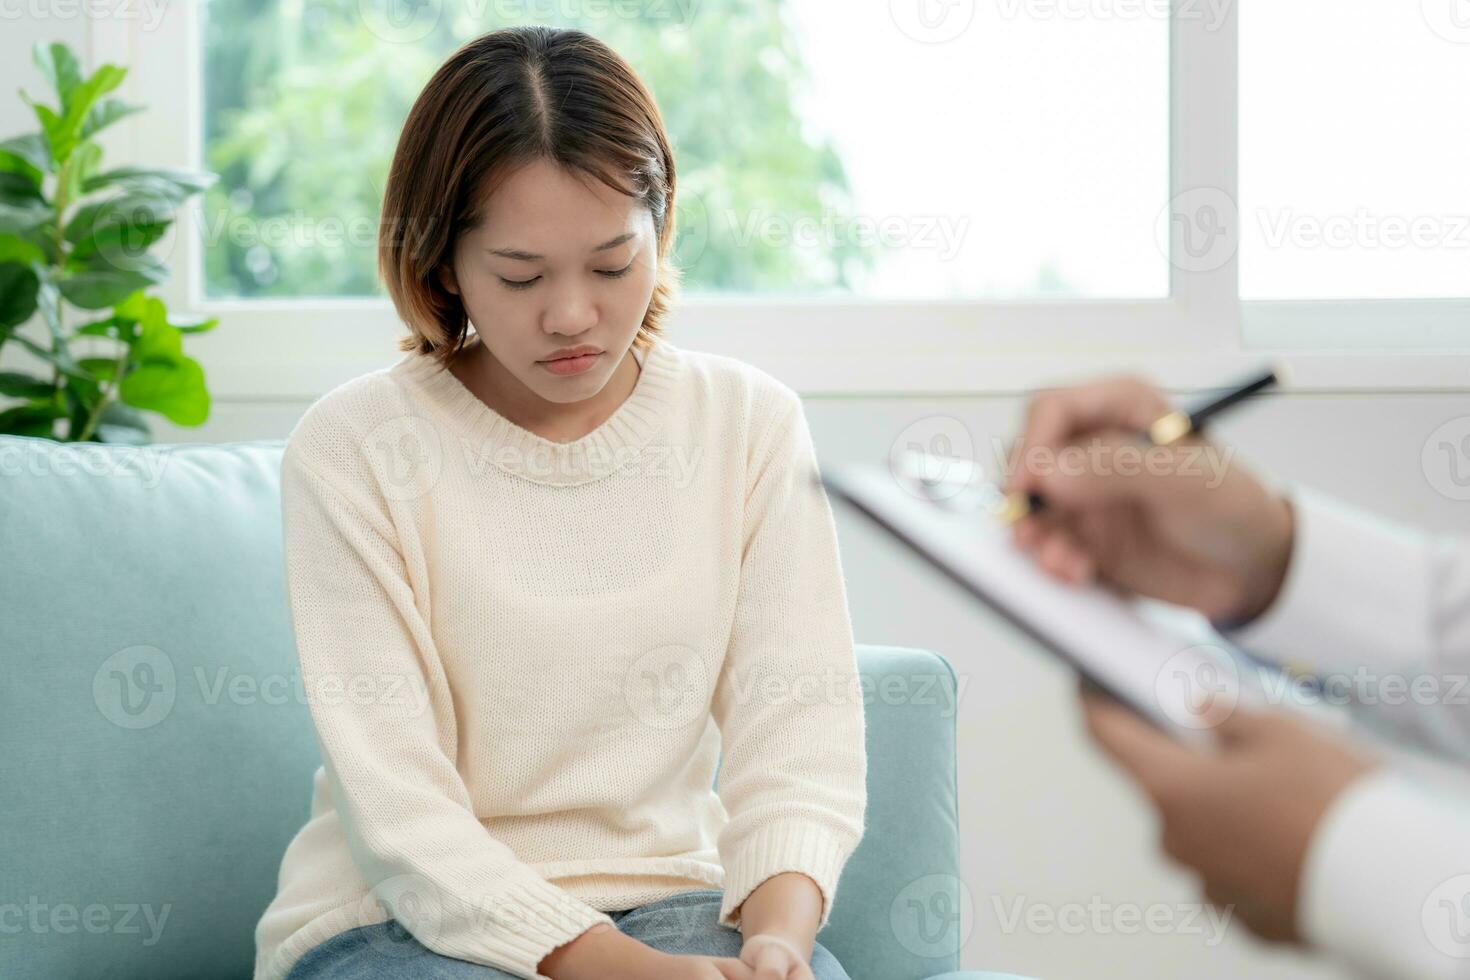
<point>159,753</point>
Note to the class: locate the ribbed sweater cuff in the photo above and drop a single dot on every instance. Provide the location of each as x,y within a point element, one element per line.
<point>783,846</point>
<point>532,917</point>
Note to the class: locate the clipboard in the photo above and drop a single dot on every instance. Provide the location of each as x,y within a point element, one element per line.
<point>1163,662</point>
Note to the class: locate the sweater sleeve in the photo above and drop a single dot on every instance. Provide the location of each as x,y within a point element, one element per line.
<point>384,718</point>
<point>787,701</point>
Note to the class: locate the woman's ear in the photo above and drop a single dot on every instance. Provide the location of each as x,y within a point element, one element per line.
<point>446,277</point>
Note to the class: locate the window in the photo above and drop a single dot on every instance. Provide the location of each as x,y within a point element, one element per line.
<point>1355,150</point>
<point>1124,184</point>
<point>906,151</point>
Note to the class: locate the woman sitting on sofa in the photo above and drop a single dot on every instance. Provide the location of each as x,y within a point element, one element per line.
<point>545,568</point>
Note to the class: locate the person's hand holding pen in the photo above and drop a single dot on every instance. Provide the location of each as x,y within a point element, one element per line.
<point>1182,522</point>
<point>1107,492</point>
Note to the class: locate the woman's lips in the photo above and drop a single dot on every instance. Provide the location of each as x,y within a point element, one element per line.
<point>571,365</point>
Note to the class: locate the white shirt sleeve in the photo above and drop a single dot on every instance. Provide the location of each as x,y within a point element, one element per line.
<point>1381,614</point>
<point>1386,883</point>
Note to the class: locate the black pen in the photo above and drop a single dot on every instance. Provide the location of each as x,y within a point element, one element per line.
<point>1165,430</point>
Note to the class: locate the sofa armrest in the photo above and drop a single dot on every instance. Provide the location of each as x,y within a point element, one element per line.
<point>897,913</point>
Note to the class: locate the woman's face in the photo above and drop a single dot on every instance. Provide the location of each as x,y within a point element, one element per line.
<point>560,260</point>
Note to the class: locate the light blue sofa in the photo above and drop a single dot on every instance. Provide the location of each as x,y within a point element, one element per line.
<point>157,755</point>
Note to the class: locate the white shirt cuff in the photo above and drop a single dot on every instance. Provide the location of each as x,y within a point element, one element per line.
<point>1386,881</point>
<point>1357,593</point>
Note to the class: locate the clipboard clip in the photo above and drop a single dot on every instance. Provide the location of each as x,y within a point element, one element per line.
<point>954,483</point>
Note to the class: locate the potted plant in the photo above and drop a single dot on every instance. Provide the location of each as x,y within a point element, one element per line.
<point>73,235</point>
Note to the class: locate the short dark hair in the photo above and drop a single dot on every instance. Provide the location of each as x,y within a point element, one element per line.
<point>504,100</point>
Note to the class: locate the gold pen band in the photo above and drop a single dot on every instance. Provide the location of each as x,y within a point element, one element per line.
<point>1016,506</point>
<point>1170,428</point>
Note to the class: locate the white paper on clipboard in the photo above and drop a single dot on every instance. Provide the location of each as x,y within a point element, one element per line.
<point>1162,661</point>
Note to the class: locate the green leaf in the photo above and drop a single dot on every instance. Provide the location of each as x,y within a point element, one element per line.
<point>81,395</point>
<point>48,301</point>
<point>101,368</point>
<point>179,183</point>
<point>31,420</point>
<point>19,189</point>
<point>61,360</point>
<point>105,113</point>
<point>139,306</point>
<point>85,95</point>
<point>19,385</point>
<point>25,230</point>
<point>65,130</point>
<point>157,339</point>
<point>59,67</point>
<point>23,160</point>
<point>13,248</point>
<point>121,243</point>
<point>19,286</point>
<point>26,155</point>
<point>132,209</point>
<point>52,131</point>
<point>194,324</point>
<point>41,238</point>
<point>17,219</point>
<point>113,326</point>
<point>176,390</point>
<point>126,322</point>
<point>104,284</point>
<point>81,166</point>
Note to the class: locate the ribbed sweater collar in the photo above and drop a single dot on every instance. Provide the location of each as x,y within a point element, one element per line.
<point>604,450</point>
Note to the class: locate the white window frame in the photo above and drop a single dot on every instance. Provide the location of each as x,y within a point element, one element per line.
<point>1200,335</point>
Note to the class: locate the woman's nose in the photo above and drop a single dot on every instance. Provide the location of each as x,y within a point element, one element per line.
<point>572,311</point>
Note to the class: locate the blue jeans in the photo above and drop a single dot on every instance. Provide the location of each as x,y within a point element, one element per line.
<point>683,924</point>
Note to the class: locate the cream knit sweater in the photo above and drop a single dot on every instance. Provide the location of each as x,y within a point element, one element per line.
<point>524,658</point>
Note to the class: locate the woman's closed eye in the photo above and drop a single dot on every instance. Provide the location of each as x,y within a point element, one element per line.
<point>526,283</point>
